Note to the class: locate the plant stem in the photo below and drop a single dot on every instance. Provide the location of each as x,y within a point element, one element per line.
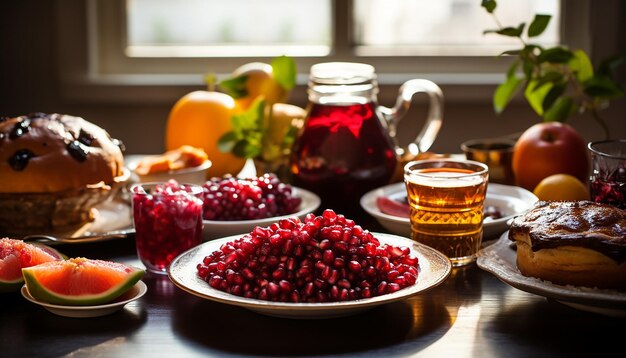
<point>596,116</point>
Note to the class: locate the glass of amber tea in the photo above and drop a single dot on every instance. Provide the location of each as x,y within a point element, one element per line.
<point>446,198</point>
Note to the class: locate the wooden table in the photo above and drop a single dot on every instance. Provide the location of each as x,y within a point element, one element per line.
<point>471,314</point>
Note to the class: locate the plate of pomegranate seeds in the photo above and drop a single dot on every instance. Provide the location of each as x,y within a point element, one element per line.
<point>389,206</point>
<point>237,205</point>
<point>320,267</point>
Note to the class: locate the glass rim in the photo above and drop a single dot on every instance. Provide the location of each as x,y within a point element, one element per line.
<point>591,147</point>
<point>484,168</point>
<point>469,145</point>
<point>194,189</point>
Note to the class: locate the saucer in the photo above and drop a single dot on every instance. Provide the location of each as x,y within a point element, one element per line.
<point>510,200</point>
<point>135,293</point>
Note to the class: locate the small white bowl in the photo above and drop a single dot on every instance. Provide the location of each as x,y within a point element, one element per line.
<point>214,229</point>
<point>135,293</point>
<point>195,175</point>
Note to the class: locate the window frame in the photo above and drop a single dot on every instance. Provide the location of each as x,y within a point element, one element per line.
<point>93,63</point>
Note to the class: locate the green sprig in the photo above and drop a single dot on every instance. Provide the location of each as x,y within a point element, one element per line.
<point>557,82</point>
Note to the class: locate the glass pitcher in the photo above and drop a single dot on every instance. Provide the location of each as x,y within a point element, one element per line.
<point>348,144</point>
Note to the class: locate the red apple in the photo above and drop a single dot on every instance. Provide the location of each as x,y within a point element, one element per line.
<point>549,148</point>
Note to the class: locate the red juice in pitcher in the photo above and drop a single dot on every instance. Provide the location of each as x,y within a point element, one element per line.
<point>347,146</point>
<point>342,153</point>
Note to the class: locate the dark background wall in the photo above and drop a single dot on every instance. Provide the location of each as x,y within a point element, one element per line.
<point>30,81</point>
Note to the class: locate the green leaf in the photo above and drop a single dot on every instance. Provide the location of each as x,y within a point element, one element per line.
<point>535,95</point>
<point>602,87</point>
<point>550,76</point>
<point>227,142</point>
<point>508,31</point>
<point>245,140</point>
<point>285,72</point>
<point>512,52</point>
<point>552,96</point>
<point>562,108</point>
<point>610,65</point>
<point>528,66</point>
<point>538,25</point>
<point>251,119</point>
<point>505,92</point>
<point>581,66</point>
<point>529,57</point>
<point>235,86</point>
<point>555,55</point>
<point>489,5</point>
<point>245,149</point>
<point>512,70</point>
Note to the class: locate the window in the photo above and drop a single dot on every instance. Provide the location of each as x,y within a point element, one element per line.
<point>201,28</point>
<point>164,42</point>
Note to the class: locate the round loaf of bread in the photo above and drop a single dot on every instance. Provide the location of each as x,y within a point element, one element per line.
<point>580,243</point>
<point>53,170</point>
<point>42,153</point>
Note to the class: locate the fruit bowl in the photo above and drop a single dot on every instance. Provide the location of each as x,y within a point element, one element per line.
<point>194,175</point>
<point>135,293</point>
<point>213,229</point>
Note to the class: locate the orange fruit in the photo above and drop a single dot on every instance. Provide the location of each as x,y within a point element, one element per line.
<point>199,119</point>
<point>258,81</point>
<point>561,187</point>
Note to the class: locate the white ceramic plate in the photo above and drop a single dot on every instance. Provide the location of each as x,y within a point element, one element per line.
<point>215,229</point>
<point>434,269</point>
<point>510,200</point>
<point>135,293</point>
<point>500,259</point>
<point>112,220</point>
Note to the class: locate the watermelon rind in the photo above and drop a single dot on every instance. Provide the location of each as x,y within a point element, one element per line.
<point>13,285</point>
<point>43,294</point>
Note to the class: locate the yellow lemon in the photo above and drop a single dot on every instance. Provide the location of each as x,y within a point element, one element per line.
<point>199,119</point>
<point>561,187</point>
<point>259,81</point>
<point>282,123</point>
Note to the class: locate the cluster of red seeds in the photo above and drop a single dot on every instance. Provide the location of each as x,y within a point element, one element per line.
<point>230,198</point>
<point>323,259</point>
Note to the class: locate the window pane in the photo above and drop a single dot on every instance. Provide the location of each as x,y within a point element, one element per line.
<point>233,27</point>
<point>447,26</point>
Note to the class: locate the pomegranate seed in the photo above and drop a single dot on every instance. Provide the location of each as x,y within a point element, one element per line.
<point>273,289</point>
<point>325,258</point>
<point>354,266</point>
<point>229,198</point>
<point>328,256</point>
<point>308,289</point>
<point>285,286</point>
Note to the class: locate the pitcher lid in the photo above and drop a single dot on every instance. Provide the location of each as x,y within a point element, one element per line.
<point>341,73</point>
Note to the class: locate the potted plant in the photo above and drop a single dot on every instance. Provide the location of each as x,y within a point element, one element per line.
<point>557,82</point>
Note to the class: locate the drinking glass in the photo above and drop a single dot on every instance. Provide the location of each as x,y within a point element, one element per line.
<point>608,174</point>
<point>168,221</point>
<point>446,199</point>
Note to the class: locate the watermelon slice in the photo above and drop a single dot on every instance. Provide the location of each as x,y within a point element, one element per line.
<point>17,254</point>
<point>80,281</point>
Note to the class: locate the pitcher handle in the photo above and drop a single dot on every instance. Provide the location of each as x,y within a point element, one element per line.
<point>392,116</point>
